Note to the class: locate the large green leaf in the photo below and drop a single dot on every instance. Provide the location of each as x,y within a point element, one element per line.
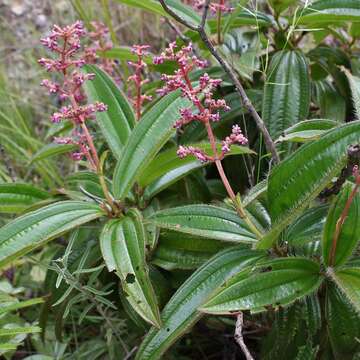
<point>295,182</point>
<point>147,138</point>
<point>182,251</point>
<point>34,229</point>
<point>308,227</point>
<point>123,247</point>
<point>16,197</point>
<point>330,11</point>
<point>114,123</point>
<point>350,230</point>
<point>343,325</point>
<point>286,92</point>
<point>167,168</point>
<point>181,313</point>
<point>348,280</point>
<point>276,282</point>
<point>207,221</point>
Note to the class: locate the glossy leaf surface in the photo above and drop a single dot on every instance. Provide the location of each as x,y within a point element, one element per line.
<point>34,229</point>
<point>280,282</point>
<point>147,138</point>
<point>180,313</point>
<point>123,247</point>
<point>206,221</point>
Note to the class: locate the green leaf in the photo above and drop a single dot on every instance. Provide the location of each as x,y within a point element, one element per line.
<point>124,53</point>
<point>34,229</point>
<point>280,5</point>
<point>350,230</point>
<point>153,6</point>
<point>307,130</point>
<point>147,138</point>
<point>180,313</point>
<point>276,282</point>
<point>308,227</point>
<point>114,124</point>
<point>167,168</point>
<point>123,247</point>
<point>295,182</point>
<point>240,17</point>
<point>121,98</point>
<point>89,181</point>
<point>343,324</point>
<point>331,103</point>
<point>286,92</point>
<point>348,280</point>
<point>330,11</point>
<point>20,305</point>
<point>8,346</point>
<point>182,251</point>
<point>207,221</point>
<point>51,150</point>
<point>355,90</point>
<point>19,330</point>
<point>16,197</point>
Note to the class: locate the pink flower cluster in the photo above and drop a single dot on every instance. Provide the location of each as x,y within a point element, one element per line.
<point>206,108</point>
<point>65,43</point>
<point>140,51</point>
<point>100,42</point>
<point>214,7</point>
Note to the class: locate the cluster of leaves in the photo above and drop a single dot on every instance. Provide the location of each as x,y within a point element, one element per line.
<point>176,252</point>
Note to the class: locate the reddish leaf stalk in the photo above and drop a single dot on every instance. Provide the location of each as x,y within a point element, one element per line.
<point>343,217</point>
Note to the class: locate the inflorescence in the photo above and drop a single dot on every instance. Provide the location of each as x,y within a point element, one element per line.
<point>65,43</point>
<point>205,111</point>
<point>139,66</point>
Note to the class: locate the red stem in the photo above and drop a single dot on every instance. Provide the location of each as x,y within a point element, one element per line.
<point>340,223</point>
<point>212,141</point>
<point>138,103</point>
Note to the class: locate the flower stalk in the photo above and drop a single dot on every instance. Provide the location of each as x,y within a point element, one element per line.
<point>205,112</point>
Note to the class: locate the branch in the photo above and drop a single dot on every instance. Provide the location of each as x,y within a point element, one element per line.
<point>353,159</point>
<point>269,143</point>
<point>239,336</point>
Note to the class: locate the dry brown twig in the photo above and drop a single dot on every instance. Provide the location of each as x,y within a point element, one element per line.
<point>200,29</point>
<point>239,336</point>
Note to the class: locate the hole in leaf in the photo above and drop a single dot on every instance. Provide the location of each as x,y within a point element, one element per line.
<point>130,278</point>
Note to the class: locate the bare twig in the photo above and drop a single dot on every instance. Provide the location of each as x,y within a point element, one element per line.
<point>239,336</point>
<point>269,143</point>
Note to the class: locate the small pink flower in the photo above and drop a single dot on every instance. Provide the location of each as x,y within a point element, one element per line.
<point>236,137</point>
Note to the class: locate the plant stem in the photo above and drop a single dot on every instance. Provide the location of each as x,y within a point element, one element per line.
<point>236,200</point>
<point>222,2</point>
<point>341,221</point>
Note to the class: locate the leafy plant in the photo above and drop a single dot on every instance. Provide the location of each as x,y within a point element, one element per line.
<point>216,194</point>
